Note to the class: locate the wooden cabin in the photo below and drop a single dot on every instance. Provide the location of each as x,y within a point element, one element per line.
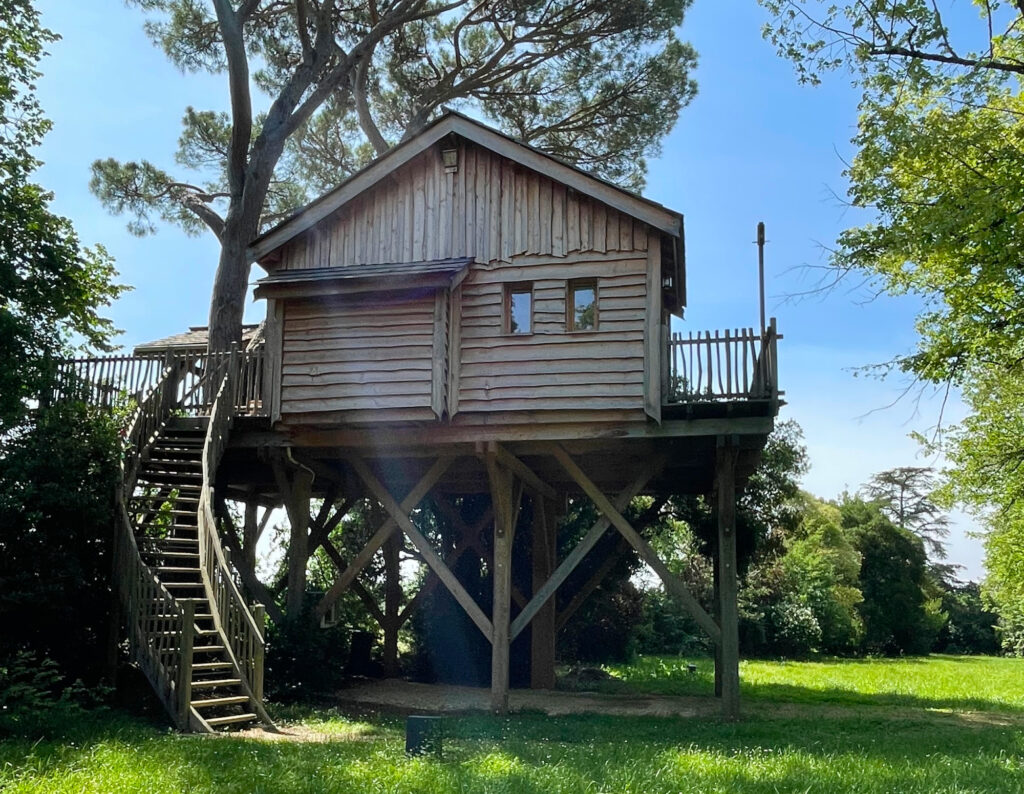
<point>468,315</point>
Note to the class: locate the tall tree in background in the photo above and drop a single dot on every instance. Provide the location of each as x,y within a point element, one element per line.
<point>319,87</point>
<point>50,287</point>
<point>905,496</point>
<point>940,162</point>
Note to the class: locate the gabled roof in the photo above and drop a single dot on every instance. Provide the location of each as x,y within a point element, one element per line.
<point>452,122</point>
<point>354,279</point>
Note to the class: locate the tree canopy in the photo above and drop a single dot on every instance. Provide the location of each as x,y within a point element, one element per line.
<point>318,88</point>
<point>940,153</point>
<point>50,287</point>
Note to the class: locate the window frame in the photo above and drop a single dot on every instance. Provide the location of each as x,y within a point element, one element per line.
<point>571,286</point>
<point>516,288</point>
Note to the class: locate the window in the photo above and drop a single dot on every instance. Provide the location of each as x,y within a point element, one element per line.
<point>581,306</point>
<point>519,309</point>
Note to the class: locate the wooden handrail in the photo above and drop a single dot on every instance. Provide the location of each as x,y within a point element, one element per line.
<point>161,627</point>
<point>243,636</point>
<point>196,375</point>
<point>155,620</point>
<point>731,365</point>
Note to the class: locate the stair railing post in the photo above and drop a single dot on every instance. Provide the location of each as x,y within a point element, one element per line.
<point>233,360</point>
<point>259,614</point>
<point>188,618</point>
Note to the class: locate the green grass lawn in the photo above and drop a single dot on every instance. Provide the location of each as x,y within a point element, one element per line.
<point>942,724</point>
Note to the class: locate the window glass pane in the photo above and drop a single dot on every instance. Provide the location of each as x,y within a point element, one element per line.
<point>520,311</point>
<point>584,304</point>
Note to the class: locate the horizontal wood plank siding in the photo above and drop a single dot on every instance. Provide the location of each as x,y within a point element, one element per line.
<point>492,209</point>
<point>552,370</point>
<point>346,359</point>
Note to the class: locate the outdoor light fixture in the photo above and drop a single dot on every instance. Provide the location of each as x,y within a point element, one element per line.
<point>450,158</point>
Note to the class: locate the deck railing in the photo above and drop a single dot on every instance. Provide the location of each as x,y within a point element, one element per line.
<point>723,366</point>
<point>193,378</point>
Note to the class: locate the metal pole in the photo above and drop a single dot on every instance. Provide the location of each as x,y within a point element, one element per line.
<point>760,270</point>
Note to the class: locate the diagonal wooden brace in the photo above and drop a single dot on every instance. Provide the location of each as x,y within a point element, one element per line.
<point>362,559</point>
<point>563,571</point>
<point>400,515</point>
<point>673,584</point>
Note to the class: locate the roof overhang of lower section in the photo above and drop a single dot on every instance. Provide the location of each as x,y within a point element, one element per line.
<point>365,279</point>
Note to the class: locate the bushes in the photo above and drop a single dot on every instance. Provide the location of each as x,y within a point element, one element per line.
<point>58,479</point>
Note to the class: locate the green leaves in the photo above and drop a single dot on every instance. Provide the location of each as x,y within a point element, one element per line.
<point>51,289</point>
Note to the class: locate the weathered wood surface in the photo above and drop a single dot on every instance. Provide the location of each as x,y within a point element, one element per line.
<point>491,208</point>
<point>362,357</point>
<point>552,369</point>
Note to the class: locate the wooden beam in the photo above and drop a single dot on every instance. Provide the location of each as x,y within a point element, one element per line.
<point>575,556</point>
<point>673,584</point>
<point>467,540</point>
<point>364,595</point>
<point>360,561</point>
<point>399,514</point>
<point>592,584</point>
<point>543,558</point>
<point>613,557</point>
<point>524,472</point>
<point>725,478</point>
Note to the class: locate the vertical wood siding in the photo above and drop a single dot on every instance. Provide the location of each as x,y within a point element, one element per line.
<point>491,209</point>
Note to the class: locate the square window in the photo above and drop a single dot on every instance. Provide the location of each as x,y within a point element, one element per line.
<point>581,306</point>
<point>519,309</point>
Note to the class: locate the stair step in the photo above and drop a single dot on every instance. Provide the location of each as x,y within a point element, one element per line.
<point>213,722</point>
<point>183,585</point>
<point>208,649</point>
<point>229,700</point>
<point>214,683</point>
<point>211,666</point>
<point>177,556</point>
<point>161,569</point>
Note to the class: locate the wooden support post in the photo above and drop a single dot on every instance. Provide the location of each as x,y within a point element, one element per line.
<point>259,616</point>
<point>250,530</point>
<point>188,628</point>
<point>392,602</point>
<point>296,492</point>
<point>502,483</point>
<point>725,477</point>
<point>543,631</point>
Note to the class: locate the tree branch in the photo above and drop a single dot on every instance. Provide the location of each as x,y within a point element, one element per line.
<point>908,52</point>
<point>366,122</point>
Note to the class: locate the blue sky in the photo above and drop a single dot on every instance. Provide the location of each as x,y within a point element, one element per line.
<point>753,146</point>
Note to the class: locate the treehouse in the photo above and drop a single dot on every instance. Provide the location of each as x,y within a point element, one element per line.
<point>465,317</point>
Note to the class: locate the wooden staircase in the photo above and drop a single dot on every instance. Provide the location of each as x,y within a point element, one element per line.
<point>190,630</point>
<point>166,507</point>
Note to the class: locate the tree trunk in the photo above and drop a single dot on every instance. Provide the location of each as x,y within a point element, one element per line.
<point>230,286</point>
